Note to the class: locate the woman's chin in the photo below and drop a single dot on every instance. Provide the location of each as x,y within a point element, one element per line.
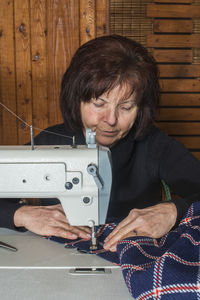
<point>106,141</point>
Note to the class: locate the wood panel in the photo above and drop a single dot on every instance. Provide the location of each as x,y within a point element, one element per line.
<point>180,128</point>
<point>182,85</point>
<point>179,70</point>
<point>8,122</point>
<point>39,63</point>
<point>102,17</point>
<point>176,26</point>
<point>87,20</point>
<point>196,154</point>
<point>38,39</point>
<point>181,99</point>
<point>183,114</point>
<point>62,41</point>
<point>173,11</point>
<point>23,68</point>
<point>189,142</point>
<point>173,41</point>
<point>172,55</point>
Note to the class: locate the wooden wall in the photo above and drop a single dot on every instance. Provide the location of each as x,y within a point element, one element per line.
<point>170,29</point>
<point>37,41</point>
<point>39,37</point>
<point>176,46</point>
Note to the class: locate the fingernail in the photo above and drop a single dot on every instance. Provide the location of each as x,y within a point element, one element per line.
<point>73,236</point>
<point>105,247</point>
<point>85,235</point>
<point>113,249</point>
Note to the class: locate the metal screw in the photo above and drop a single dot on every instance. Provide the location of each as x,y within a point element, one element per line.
<point>47,177</point>
<point>21,28</point>
<point>75,180</point>
<point>86,200</point>
<point>68,185</point>
<point>37,57</point>
<point>87,30</point>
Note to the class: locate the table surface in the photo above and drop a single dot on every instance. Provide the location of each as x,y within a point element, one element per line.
<point>42,269</point>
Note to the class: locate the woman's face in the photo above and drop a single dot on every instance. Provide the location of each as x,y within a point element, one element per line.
<point>111,116</point>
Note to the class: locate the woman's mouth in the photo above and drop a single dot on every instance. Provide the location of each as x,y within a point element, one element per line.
<point>109,133</point>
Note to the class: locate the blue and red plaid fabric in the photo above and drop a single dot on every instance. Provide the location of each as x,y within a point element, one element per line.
<point>166,268</point>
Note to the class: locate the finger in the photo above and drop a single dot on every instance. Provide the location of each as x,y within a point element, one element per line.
<point>66,228</point>
<point>121,225</point>
<point>113,247</point>
<point>68,232</point>
<point>117,228</point>
<point>56,207</point>
<point>79,232</point>
<point>57,231</point>
<point>59,220</point>
<point>121,233</point>
<point>132,217</point>
<point>85,229</point>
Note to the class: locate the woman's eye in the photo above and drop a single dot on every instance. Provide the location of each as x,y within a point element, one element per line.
<point>98,104</point>
<point>126,108</point>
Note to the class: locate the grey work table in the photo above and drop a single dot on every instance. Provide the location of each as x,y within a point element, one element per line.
<point>43,269</point>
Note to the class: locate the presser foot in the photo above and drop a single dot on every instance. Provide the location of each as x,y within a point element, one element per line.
<point>93,247</point>
<point>94,242</point>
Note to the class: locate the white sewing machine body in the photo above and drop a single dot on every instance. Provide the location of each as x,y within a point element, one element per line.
<point>79,177</point>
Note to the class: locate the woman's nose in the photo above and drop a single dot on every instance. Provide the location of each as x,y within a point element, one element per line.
<point>111,117</point>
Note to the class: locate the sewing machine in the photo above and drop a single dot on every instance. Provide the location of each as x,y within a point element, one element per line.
<point>79,176</point>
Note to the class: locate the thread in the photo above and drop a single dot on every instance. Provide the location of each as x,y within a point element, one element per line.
<point>36,128</point>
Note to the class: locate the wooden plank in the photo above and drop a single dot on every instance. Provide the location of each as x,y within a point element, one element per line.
<point>191,142</point>
<point>180,99</point>
<point>180,85</point>
<point>172,1</point>
<point>8,123</point>
<point>179,70</point>
<point>23,68</point>
<point>39,64</point>
<point>87,20</point>
<point>182,128</point>
<point>102,17</point>
<point>176,26</point>
<point>62,41</point>
<point>179,114</point>
<point>196,154</point>
<point>172,55</point>
<point>173,41</point>
<point>173,11</point>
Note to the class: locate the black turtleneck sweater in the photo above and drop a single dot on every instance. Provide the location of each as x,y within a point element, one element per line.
<point>139,165</point>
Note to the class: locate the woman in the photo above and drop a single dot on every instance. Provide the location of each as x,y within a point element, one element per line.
<point>111,86</point>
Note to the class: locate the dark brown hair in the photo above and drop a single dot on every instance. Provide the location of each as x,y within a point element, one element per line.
<point>103,63</point>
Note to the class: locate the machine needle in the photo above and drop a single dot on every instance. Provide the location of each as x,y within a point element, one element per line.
<point>93,245</point>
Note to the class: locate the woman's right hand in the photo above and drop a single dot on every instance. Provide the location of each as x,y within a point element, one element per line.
<point>48,221</point>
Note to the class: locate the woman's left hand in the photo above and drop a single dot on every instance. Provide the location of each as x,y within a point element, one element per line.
<point>153,221</point>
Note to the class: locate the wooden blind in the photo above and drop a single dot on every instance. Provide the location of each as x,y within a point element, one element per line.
<point>170,29</point>
<point>128,18</point>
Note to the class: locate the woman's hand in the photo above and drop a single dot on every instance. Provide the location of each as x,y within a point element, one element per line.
<point>154,221</point>
<point>48,221</point>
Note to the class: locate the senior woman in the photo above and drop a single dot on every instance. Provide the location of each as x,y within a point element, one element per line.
<point>111,86</point>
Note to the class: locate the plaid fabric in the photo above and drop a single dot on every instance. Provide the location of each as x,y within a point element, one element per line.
<point>166,268</point>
